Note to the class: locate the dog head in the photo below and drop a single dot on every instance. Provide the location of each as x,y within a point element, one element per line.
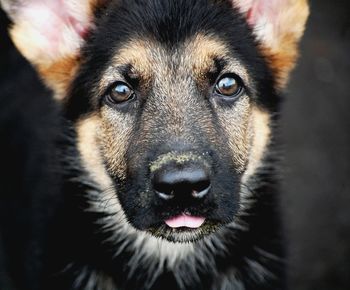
<point>172,100</point>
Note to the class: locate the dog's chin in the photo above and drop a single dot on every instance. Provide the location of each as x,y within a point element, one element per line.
<point>184,234</point>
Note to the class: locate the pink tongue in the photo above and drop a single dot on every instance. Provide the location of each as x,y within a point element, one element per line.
<point>185,221</point>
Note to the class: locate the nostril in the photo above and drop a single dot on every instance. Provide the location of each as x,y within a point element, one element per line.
<point>201,188</point>
<point>164,190</point>
<point>189,181</point>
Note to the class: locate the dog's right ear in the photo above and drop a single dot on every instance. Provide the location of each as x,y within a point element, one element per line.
<point>50,33</point>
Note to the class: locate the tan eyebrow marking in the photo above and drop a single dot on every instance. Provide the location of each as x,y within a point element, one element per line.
<point>137,54</point>
<point>202,51</point>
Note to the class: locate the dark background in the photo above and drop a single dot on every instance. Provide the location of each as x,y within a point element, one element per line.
<point>315,133</point>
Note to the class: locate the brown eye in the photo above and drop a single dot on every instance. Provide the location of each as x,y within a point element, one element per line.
<point>119,93</point>
<point>228,86</point>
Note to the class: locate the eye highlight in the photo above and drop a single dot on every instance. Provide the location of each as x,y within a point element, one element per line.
<point>119,93</point>
<point>229,85</point>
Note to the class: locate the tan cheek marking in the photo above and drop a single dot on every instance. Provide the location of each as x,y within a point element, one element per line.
<point>114,139</point>
<point>88,147</point>
<point>260,139</point>
<point>236,123</point>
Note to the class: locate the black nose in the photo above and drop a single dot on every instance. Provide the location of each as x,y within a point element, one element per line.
<point>191,181</point>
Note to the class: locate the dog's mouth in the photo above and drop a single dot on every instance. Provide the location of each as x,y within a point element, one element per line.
<point>184,228</point>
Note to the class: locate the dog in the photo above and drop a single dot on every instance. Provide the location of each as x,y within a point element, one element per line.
<point>167,153</point>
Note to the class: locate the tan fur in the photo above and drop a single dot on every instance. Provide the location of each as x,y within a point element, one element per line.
<point>89,148</point>
<point>59,74</point>
<point>114,137</point>
<point>235,122</point>
<point>201,51</point>
<point>261,132</point>
<point>137,52</point>
<point>99,138</point>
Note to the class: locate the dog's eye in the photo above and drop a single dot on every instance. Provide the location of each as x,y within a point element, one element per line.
<point>229,85</point>
<point>119,93</point>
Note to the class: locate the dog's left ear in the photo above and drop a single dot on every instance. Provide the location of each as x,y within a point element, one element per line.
<point>50,33</point>
<point>278,25</point>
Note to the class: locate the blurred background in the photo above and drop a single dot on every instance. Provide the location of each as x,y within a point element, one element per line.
<point>315,133</point>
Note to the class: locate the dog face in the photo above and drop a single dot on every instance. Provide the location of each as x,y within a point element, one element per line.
<point>172,100</point>
<point>175,133</point>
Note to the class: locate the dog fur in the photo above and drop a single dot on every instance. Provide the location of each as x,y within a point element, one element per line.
<point>105,233</point>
